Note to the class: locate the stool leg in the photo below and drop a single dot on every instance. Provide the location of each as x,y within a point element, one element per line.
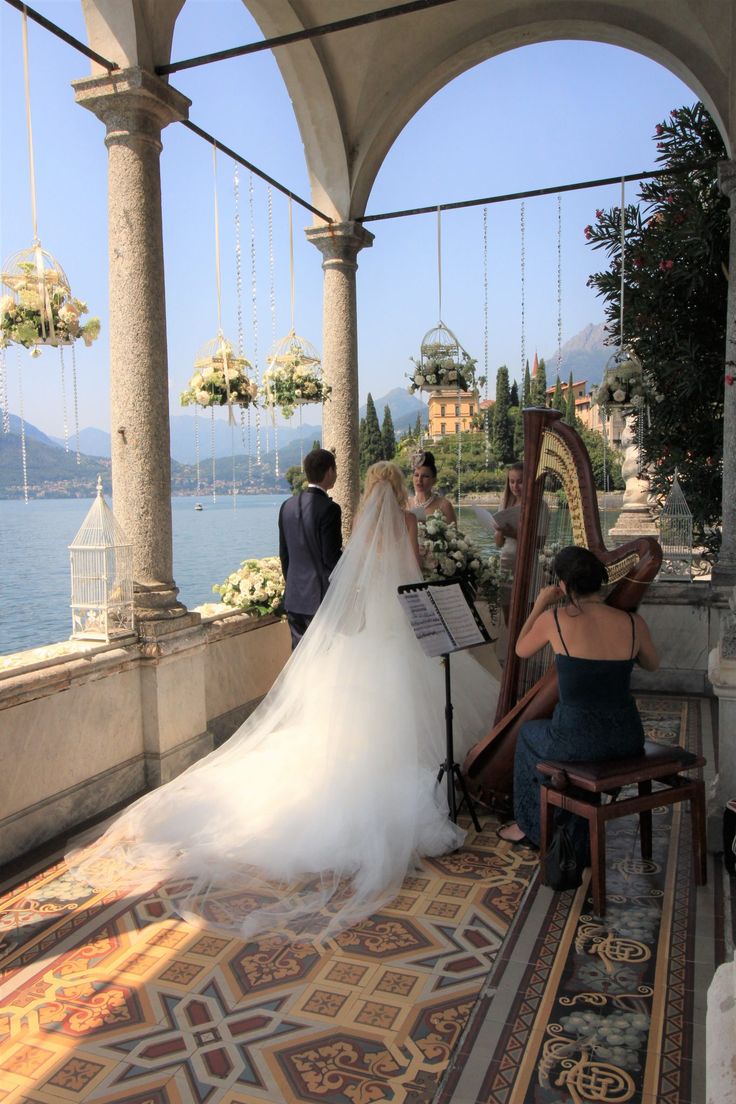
<point>546,812</point>
<point>697,815</point>
<point>597,830</point>
<point>645,822</point>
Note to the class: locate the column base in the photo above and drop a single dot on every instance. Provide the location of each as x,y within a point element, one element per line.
<point>723,574</point>
<point>156,604</point>
<point>632,523</point>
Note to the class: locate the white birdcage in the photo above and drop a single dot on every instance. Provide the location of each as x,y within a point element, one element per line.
<point>676,536</point>
<point>102,576</point>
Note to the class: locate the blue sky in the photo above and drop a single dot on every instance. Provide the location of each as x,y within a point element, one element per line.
<point>535,117</point>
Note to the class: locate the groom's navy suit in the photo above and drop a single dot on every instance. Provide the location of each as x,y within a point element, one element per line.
<point>310,542</point>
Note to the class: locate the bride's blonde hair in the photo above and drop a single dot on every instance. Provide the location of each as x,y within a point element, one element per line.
<point>385,472</point>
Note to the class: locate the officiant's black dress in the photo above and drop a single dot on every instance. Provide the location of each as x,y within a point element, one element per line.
<point>595,718</point>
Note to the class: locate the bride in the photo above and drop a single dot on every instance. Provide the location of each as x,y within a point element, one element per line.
<point>310,816</point>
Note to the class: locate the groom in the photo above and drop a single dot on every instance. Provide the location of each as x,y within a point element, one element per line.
<point>310,542</point>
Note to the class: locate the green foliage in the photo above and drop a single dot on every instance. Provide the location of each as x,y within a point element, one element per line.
<point>502,435</point>
<point>539,385</point>
<point>388,435</point>
<point>295,477</point>
<point>517,420</point>
<point>613,459</point>
<point>370,440</point>
<point>677,243</point>
<point>526,395</point>
<point>514,394</point>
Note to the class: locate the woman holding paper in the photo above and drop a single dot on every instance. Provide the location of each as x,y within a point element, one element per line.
<point>506,521</point>
<point>310,816</point>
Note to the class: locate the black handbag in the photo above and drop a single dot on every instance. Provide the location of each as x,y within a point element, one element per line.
<point>562,870</point>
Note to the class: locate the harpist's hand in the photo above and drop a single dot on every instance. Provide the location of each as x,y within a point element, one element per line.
<point>549,596</point>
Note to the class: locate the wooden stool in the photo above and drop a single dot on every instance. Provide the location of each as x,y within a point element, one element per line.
<point>571,786</point>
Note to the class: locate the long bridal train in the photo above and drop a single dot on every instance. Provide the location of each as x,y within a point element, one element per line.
<point>308,819</point>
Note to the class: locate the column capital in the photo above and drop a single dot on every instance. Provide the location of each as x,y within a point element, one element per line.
<point>727,178</point>
<point>132,101</point>
<point>340,242</point>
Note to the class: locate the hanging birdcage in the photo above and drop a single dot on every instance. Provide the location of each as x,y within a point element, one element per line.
<point>41,309</point>
<point>294,375</point>
<point>443,363</point>
<point>220,377</point>
<point>676,536</point>
<point>102,576</point>
<point>623,383</point>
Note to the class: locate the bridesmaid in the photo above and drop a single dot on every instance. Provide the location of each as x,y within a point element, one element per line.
<point>426,500</point>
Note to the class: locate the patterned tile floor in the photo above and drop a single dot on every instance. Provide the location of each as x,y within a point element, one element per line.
<point>476,986</point>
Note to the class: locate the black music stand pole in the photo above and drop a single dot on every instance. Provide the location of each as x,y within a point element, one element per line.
<point>450,767</point>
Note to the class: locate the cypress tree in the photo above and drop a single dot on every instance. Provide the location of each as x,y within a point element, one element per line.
<point>503,431</point>
<point>371,443</point>
<point>526,395</point>
<point>388,436</point>
<point>418,428</point>
<point>539,385</point>
<point>514,394</point>
<point>570,415</point>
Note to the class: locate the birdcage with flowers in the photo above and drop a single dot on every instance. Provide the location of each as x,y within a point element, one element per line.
<point>294,376</point>
<point>40,309</point>
<point>443,363</point>
<point>220,377</point>
<point>623,383</point>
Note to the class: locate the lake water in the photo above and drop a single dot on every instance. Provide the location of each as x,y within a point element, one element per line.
<point>208,545</point>
<point>34,538</point>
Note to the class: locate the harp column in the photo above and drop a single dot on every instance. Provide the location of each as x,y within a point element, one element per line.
<point>339,244</point>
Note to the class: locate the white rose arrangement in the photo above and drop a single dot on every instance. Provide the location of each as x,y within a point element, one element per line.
<point>448,554</point>
<point>216,377</point>
<point>292,383</point>
<point>257,587</point>
<point>438,367</point>
<point>43,311</point>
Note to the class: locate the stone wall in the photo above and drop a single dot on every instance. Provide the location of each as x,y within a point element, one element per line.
<point>89,729</point>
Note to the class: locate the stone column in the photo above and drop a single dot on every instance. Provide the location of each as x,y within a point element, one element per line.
<point>724,573</point>
<point>339,244</point>
<point>135,105</point>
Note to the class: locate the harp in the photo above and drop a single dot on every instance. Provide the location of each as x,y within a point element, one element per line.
<point>557,470</point>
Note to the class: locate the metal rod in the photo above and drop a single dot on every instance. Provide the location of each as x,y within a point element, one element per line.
<point>63,35</point>
<point>536,192</point>
<point>252,168</point>
<point>301,36</point>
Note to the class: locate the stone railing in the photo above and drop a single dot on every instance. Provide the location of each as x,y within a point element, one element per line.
<point>85,727</point>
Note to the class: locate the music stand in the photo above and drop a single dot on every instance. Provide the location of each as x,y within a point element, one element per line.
<point>444,621</point>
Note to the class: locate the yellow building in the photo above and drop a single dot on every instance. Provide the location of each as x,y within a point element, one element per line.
<point>451,411</point>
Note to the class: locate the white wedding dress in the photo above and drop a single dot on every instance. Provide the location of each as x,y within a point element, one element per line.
<point>310,816</point>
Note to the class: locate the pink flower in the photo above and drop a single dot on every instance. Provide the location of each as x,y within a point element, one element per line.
<point>730,379</point>
<point>675,114</point>
<point>638,262</point>
<point>599,213</point>
<point>659,129</point>
<point>671,199</point>
<point>665,266</point>
<point>588,231</point>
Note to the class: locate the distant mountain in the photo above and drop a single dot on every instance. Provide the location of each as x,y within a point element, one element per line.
<point>403,406</point>
<point>584,355</point>
<point>32,431</point>
<point>52,471</point>
<point>92,442</point>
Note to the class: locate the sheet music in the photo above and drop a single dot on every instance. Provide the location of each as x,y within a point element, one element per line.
<point>457,615</point>
<point>428,626</point>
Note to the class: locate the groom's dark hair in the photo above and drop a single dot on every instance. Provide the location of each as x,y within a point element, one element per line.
<point>317,463</point>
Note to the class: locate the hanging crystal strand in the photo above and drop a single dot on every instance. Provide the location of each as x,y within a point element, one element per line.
<point>214,464</point>
<point>63,399</point>
<point>522,227</point>
<point>4,400</point>
<point>245,434</point>
<point>559,285</point>
<point>486,416</point>
<point>196,447</point>
<point>23,454</point>
<point>254,309</point>
<point>272,308</point>
<point>76,403</point>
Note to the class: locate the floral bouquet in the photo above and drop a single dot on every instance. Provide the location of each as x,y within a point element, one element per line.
<point>623,382</point>
<point>219,379</point>
<point>257,587</point>
<point>292,381</point>
<point>42,311</point>
<point>440,367</point>
<point>449,554</point>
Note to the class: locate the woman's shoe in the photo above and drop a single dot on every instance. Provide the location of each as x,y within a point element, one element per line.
<point>524,841</point>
